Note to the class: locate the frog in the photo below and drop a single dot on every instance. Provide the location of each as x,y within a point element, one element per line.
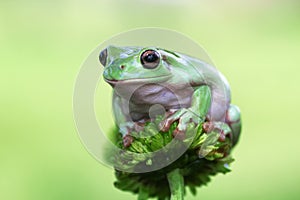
<point>181,87</point>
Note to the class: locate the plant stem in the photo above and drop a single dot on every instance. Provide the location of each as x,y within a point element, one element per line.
<point>143,194</point>
<point>176,184</point>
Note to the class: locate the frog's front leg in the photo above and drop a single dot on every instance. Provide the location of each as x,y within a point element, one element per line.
<point>123,120</point>
<point>200,104</point>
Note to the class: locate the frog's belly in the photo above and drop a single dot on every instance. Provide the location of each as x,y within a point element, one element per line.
<point>152,94</point>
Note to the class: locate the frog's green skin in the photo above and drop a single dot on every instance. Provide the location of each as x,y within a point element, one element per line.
<point>188,89</point>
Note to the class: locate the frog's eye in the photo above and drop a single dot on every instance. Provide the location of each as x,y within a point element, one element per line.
<point>103,56</point>
<point>150,59</point>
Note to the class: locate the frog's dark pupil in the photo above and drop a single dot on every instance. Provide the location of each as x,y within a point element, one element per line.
<point>152,57</point>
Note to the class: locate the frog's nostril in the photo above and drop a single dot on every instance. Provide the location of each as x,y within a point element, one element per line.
<point>122,67</point>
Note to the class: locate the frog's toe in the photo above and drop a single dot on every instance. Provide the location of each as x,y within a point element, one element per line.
<point>127,140</point>
<point>185,120</point>
<point>126,128</point>
<point>221,128</point>
<point>166,123</point>
<point>179,134</point>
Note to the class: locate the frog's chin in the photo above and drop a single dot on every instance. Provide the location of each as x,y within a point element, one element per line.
<point>137,81</point>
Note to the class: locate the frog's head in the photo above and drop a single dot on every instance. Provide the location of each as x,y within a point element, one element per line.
<point>134,65</point>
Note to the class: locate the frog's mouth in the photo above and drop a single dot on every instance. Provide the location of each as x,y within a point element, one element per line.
<point>139,81</point>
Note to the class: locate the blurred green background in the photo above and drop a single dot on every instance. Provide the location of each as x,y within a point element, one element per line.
<point>256,44</point>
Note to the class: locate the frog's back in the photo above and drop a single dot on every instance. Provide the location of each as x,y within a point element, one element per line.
<point>206,74</point>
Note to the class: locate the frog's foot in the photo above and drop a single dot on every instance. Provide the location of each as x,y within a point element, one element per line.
<point>233,119</point>
<point>127,140</point>
<point>126,129</point>
<point>184,116</point>
<point>221,128</point>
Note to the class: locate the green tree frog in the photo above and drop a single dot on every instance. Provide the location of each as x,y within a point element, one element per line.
<point>151,79</point>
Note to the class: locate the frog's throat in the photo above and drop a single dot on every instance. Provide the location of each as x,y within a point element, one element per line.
<point>158,79</point>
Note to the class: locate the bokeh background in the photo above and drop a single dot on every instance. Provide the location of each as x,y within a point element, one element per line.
<point>256,44</point>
